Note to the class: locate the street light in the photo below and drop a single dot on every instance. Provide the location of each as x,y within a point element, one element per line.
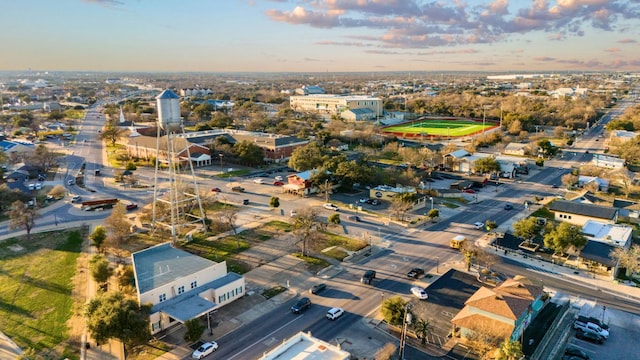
<point>431,198</point>
<point>221,156</point>
<point>437,265</point>
<point>405,322</point>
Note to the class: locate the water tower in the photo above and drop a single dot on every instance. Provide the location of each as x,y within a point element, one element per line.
<point>181,209</point>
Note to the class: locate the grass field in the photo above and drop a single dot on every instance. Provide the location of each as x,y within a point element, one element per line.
<point>439,128</point>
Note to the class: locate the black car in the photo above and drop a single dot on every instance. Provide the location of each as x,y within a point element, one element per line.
<point>415,273</point>
<point>245,202</point>
<point>508,207</point>
<point>368,276</point>
<point>237,189</point>
<point>317,288</point>
<point>301,305</point>
<point>575,352</point>
<point>589,336</point>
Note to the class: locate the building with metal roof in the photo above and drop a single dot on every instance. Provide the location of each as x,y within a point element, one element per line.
<point>303,346</point>
<point>579,213</point>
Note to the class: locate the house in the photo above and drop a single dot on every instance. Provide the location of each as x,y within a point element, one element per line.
<point>596,257</point>
<point>579,213</point>
<point>363,114</point>
<point>16,147</point>
<point>182,286</point>
<point>505,310</point>
<point>628,210</point>
<point>600,184</point>
<point>612,234</point>
<point>585,197</point>
<point>144,147</point>
<point>621,136</point>
<point>517,149</point>
<point>607,162</point>
<point>300,183</point>
<point>304,346</point>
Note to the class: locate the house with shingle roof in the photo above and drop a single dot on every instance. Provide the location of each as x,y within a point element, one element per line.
<point>579,213</point>
<point>505,310</point>
<point>182,286</point>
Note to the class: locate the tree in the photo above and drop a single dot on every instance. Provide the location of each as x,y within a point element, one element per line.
<point>393,310</point>
<point>118,228</point>
<point>124,275</point>
<point>229,215</point>
<point>399,206</point>
<point>325,187</point>
<point>469,253</point>
<point>485,257</point>
<point>43,158</point>
<point>486,165</point>
<point>22,216</point>
<point>423,329</point>
<point>274,202</point>
<point>563,236</point>
<point>546,148</point>
<point>490,225</point>
<point>248,153</point>
<point>194,330</point>
<point>627,259</point>
<point>526,228</point>
<point>433,213</point>
<point>307,157</point>
<point>111,315</point>
<point>569,180</point>
<point>510,350</point>
<point>98,236</point>
<point>483,339</point>
<point>334,219</point>
<point>57,192</point>
<point>100,269</point>
<point>306,227</point>
<point>112,133</point>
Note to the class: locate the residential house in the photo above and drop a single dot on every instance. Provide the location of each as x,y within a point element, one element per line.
<point>596,257</point>
<point>621,136</point>
<point>362,114</point>
<point>579,213</point>
<point>612,234</point>
<point>464,162</point>
<point>585,197</point>
<point>600,184</point>
<point>607,162</point>
<point>505,310</point>
<point>628,210</point>
<point>517,149</point>
<point>300,183</point>
<point>16,147</point>
<point>182,286</point>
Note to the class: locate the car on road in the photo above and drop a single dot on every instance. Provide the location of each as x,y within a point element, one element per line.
<point>278,183</point>
<point>355,218</point>
<point>301,305</point>
<point>589,336</point>
<point>368,276</point>
<point>132,206</point>
<point>415,273</point>
<point>554,186</point>
<point>258,181</point>
<point>419,292</point>
<point>216,190</point>
<point>363,200</point>
<point>204,350</point>
<point>508,207</point>
<point>574,351</point>
<point>293,213</point>
<point>71,182</point>
<point>329,206</point>
<point>279,178</point>
<point>237,189</point>
<point>76,199</point>
<point>469,191</point>
<point>245,202</point>
<point>478,225</point>
<point>373,202</point>
<point>317,288</point>
<point>334,313</point>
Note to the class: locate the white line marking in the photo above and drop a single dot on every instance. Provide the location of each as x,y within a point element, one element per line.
<point>266,336</point>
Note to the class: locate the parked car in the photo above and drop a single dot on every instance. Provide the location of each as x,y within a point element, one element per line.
<point>293,213</point>
<point>76,199</point>
<point>258,181</point>
<point>469,191</point>
<point>589,336</point>
<point>574,351</point>
<point>278,183</point>
<point>245,202</point>
<point>419,292</point>
<point>216,190</point>
<point>132,206</point>
<point>279,178</point>
<point>71,182</point>
<point>355,218</point>
<point>204,350</point>
<point>363,200</point>
<point>237,189</point>
<point>368,276</point>
<point>317,288</point>
<point>329,206</point>
<point>590,327</point>
<point>334,313</point>
<point>415,273</point>
<point>478,225</point>
<point>373,202</point>
<point>301,305</point>
<point>508,207</point>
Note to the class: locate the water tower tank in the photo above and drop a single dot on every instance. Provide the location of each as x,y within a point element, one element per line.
<point>168,104</point>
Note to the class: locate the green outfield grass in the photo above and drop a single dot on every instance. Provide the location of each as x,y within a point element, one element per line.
<point>452,128</point>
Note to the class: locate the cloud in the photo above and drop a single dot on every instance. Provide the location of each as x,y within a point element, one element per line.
<point>543,59</point>
<point>429,23</point>
<point>627,41</point>
<point>106,3</point>
<point>612,50</point>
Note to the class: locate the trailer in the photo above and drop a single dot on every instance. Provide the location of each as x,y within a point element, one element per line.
<point>98,204</point>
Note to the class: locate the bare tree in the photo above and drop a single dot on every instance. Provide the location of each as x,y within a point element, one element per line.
<point>483,339</point>
<point>22,216</point>
<point>229,215</point>
<point>306,227</point>
<point>118,229</point>
<point>628,259</point>
<point>485,257</point>
<point>399,206</point>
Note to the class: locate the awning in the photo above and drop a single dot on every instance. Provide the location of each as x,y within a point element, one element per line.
<point>187,308</point>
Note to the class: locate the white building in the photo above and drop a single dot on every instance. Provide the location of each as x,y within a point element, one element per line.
<point>612,234</point>
<point>608,162</point>
<point>302,346</point>
<point>335,104</point>
<point>181,286</point>
<point>603,184</point>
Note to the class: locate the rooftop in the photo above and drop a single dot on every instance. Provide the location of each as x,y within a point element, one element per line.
<point>596,211</point>
<point>303,346</point>
<point>613,234</point>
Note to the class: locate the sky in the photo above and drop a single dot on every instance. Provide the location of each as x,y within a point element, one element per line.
<point>320,35</point>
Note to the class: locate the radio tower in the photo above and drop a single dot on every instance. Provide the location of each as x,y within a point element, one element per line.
<point>182,209</point>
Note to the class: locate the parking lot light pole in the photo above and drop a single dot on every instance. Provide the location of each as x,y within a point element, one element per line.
<point>437,265</point>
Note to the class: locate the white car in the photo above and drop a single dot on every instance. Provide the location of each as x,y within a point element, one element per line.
<point>205,349</point>
<point>330,207</point>
<point>334,313</point>
<point>294,213</point>
<point>258,181</point>
<point>279,178</point>
<point>478,225</point>
<point>363,200</point>
<point>419,293</point>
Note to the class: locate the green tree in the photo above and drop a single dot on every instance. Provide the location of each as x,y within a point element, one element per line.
<point>248,153</point>
<point>546,148</point>
<point>510,350</point>
<point>469,253</point>
<point>433,213</point>
<point>23,217</point>
<point>274,202</point>
<point>563,236</point>
<point>43,158</point>
<point>490,225</point>
<point>112,133</point>
<point>194,330</point>
<point>393,310</point>
<point>526,228</point>
<point>352,172</point>
<point>486,165</point>
<point>334,219</point>
<point>100,269</point>
<point>423,329</point>
<point>307,157</point>
<point>629,259</point>
<point>98,236</point>
<point>112,316</point>
<point>306,227</point>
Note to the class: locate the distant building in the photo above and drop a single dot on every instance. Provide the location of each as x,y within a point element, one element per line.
<point>335,104</point>
<point>602,184</point>
<point>517,149</point>
<point>310,90</point>
<point>608,162</point>
<point>303,346</point>
<point>622,136</point>
<point>579,214</point>
<point>358,114</point>
<point>195,92</point>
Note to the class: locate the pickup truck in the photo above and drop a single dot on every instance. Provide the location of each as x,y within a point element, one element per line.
<point>590,327</point>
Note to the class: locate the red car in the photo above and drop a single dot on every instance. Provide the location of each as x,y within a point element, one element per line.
<point>278,183</point>
<point>132,206</point>
<point>469,191</point>
<point>216,190</point>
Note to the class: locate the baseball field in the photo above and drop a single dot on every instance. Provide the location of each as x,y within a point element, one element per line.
<point>440,127</point>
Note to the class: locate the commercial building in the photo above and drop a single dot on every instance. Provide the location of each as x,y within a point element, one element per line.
<point>303,346</point>
<point>335,104</point>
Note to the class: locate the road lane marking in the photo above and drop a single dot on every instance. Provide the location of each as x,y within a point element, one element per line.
<point>266,336</point>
